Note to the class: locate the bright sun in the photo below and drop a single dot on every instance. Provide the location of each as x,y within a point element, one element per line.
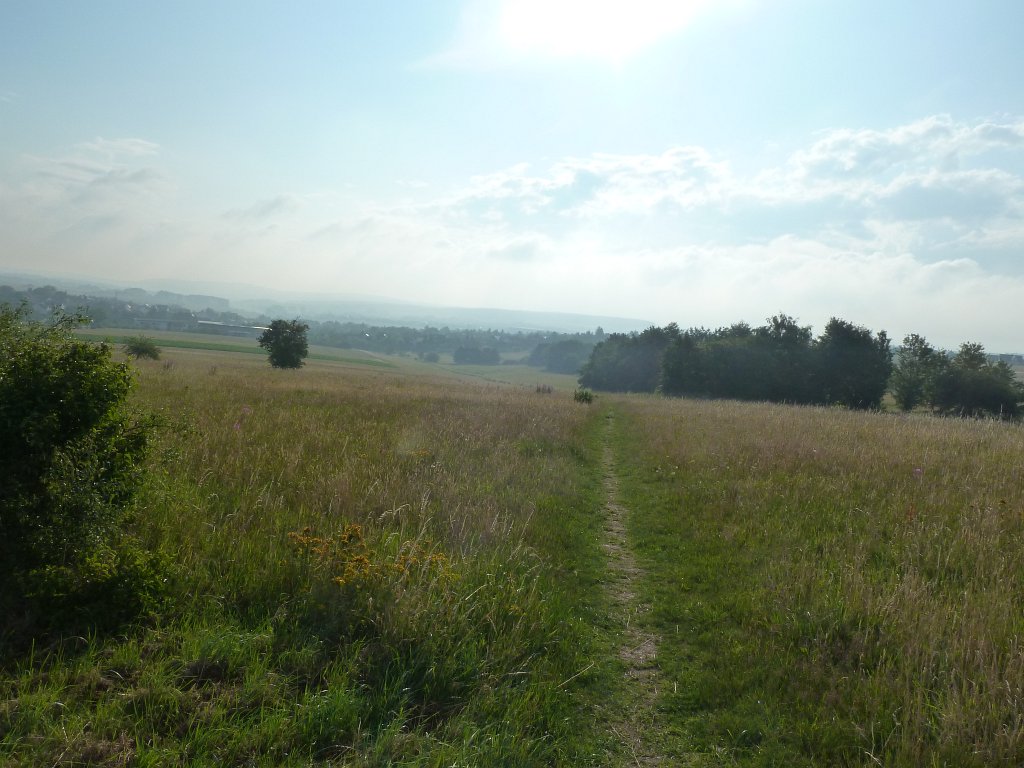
<point>607,29</point>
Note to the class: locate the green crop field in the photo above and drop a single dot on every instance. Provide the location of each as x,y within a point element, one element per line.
<point>217,343</point>
<point>385,562</point>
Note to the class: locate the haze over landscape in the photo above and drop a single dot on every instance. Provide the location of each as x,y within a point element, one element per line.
<point>698,162</point>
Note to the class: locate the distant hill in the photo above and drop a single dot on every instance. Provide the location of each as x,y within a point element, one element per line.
<point>253,301</point>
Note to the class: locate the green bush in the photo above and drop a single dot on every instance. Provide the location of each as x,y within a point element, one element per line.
<point>71,458</point>
<point>141,346</point>
<point>583,396</point>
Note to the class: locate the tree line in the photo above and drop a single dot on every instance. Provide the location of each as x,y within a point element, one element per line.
<point>782,361</point>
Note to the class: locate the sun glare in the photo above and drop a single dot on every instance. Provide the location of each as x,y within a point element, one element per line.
<point>606,29</point>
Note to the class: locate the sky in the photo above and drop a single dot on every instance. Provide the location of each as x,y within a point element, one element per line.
<point>695,161</point>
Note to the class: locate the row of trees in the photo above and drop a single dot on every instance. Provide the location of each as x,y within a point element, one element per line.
<point>782,361</point>
<point>967,383</point>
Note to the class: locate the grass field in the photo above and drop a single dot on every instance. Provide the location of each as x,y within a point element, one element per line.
<point>215,343</point>
<point>364,570</point>
<point>402,565</point>
<point>833,588</point>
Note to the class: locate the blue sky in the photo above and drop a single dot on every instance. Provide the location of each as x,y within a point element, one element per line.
<point>694,161</point>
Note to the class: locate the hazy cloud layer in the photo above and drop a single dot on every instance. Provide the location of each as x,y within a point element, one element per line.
<point>913,228</point>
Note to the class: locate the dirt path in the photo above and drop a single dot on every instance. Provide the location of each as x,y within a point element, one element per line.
<point>634,719</point>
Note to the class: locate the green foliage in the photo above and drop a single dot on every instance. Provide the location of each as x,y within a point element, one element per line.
<point>966,384</point>
<point>970,385</point>
<point>583,395</point>
<point>70,466</point>
<point>780,362</point>
<point>286,343</point>
<point>854,365</point>
<point>142,347</point>
<point>628,362</point>
<point>565,356</point>
<point>914,371</point>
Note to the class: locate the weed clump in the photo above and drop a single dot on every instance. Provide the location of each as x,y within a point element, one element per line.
<point>141,347</point>
<point>583,395</point>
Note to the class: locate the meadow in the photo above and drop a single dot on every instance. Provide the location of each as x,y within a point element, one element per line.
<point>831,587</point>
<point>402,565</point>
<point>364,570</point>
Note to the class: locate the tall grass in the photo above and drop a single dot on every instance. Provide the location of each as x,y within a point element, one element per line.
<point>836,588</point>
<point>368,568</point>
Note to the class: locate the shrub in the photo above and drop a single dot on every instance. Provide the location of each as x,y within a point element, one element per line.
<point>70,465</point>
<point>142,346</point>
<point>583,396</point>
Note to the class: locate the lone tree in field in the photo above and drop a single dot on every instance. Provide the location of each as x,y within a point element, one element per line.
<point>286,344</point>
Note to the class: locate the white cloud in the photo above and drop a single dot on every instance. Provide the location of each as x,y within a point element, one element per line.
<point>118,148</point>
<point>886,237</point>
<point>933,142</point>
<point>263,210</point>
<point>877,227</point>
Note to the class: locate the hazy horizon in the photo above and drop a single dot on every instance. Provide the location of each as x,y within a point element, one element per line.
<point>694,162</point>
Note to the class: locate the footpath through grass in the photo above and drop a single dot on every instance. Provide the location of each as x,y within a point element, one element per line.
<point>374,567</point>
<point>830,588</point>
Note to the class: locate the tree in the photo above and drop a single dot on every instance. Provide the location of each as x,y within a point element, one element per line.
<point>970,385</point>
<point>565,356</point>
<point>914,371</point>
<point>286,344</point>
<point>628,362</point>
<point>141,346</point>
<point>71,461</point>
<point>787,377</point>
<point>853,365</point>
<point>682,368</point>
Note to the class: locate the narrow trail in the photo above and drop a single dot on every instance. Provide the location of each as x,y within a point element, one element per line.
<point>634,719</point>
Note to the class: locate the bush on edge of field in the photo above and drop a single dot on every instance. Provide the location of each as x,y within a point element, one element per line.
<point>71,456</point>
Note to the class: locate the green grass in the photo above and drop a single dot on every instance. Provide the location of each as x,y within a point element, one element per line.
<point>832,588</point>
<point>214,343</point>
<point>369,568</point>
<point>401,566</point>
<point>516,375</point>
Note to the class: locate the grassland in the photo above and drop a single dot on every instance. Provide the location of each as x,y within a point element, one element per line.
<point>367,568</point>
<point>218,343</point>
<point>403,565</point>
<point>831,588</point>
